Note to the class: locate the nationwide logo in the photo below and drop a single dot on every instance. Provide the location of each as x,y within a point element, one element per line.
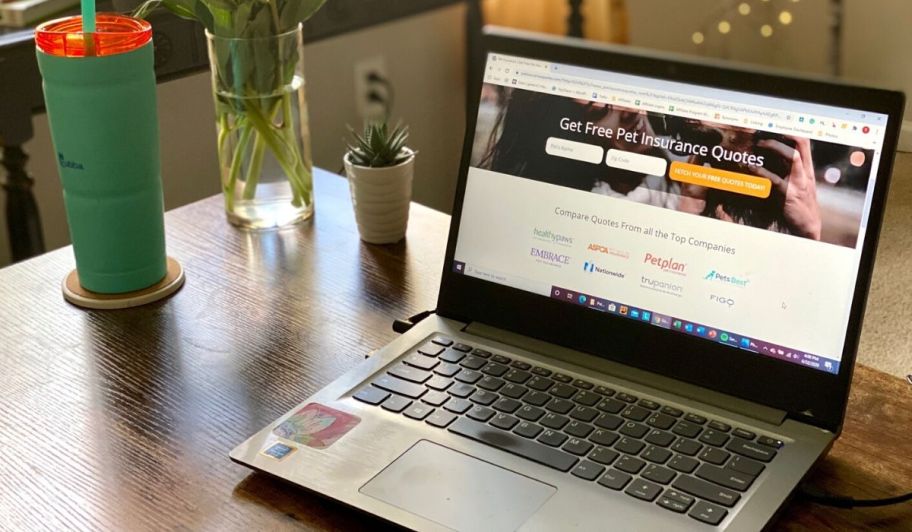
<point>714,275</point>
<point>608,251</point>
<point>666,265</point>
<point>661,286</point>
<point>548,235</point>
<point>549,257</point>
<point>592,267</point>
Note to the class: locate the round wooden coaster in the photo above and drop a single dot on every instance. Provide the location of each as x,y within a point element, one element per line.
<point>79,296</point>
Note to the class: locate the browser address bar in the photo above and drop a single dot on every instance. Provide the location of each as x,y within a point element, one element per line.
<point>655,95</point>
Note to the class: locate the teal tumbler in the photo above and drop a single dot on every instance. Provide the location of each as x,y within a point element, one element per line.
<point>99,90</point>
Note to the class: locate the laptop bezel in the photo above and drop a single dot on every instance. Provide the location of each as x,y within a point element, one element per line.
<point>810,395</point>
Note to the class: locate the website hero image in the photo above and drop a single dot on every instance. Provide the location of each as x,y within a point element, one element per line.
<point>700,221</point>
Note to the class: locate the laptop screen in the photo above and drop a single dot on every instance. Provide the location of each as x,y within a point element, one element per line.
<point>728,216</point>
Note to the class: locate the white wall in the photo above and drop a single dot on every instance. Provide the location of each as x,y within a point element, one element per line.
<point>425,60</point>
<point>878,41</point>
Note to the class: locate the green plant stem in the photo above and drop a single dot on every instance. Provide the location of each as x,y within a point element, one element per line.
<point>223,135</point>
<point>275,16</point>
<point>256,156</point>
<point>302,176</point>
<point>284,150</point>
<point>236,162</point>
<point>255,167</point>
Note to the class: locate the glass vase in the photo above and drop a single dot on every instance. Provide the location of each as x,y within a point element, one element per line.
<point>263,136</point>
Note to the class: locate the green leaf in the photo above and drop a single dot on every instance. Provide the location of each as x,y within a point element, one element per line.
<point>201,12</point>
<point>377,145</point>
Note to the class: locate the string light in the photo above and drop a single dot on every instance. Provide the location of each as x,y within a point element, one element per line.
<point>744,8</point>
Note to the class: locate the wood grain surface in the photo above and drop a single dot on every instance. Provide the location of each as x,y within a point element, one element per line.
<point>123,420</point>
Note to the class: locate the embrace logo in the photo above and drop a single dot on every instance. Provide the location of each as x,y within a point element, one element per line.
<point>548,235</point>
<point>549,257</point>
<point>666,265</point>
<point>592,268</point>
<point>714,275</point>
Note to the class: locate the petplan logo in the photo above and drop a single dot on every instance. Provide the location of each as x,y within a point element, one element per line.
<point>598,248</point>
<point>666,265</point>
<point>714,275</point>
<point>547,235</point>
<point>545,256</point>
<point>591,267</point>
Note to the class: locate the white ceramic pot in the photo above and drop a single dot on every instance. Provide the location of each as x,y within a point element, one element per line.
<point>381,199</point>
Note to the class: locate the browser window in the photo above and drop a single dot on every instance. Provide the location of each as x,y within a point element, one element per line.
<point>734,217</point>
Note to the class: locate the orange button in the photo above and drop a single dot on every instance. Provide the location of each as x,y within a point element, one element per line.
<point>705,176</point>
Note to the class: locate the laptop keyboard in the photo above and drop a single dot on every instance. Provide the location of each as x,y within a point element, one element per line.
<point>678,460</point>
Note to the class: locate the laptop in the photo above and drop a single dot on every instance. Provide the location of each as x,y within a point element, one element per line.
<point>649,310</point>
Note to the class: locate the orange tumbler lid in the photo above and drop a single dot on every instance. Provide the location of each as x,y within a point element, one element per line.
<point>114,34</point>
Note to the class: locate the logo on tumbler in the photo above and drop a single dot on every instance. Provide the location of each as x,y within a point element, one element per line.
<point>66,163</point>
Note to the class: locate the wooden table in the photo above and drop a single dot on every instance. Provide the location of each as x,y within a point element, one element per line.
<point>123,420</point>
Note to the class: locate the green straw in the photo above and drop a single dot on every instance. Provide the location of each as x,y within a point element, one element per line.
<point>88,16</point>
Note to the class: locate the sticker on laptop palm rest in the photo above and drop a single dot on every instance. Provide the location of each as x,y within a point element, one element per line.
<point>316,426</point>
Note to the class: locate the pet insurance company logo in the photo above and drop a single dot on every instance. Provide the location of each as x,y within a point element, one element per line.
<point>599,248</point>
<point>547,235</point>
<point>668,265</point>
<point>550,258</point>
<point>592,267</point>
<point>660,285</point>
<point>731,280</point>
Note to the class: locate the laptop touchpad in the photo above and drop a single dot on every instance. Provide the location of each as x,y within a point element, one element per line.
<point>457,490</point>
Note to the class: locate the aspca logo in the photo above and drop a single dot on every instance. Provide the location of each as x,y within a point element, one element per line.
<point>599,248</point>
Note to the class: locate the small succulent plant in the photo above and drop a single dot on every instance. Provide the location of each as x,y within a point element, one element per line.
<point>378,145</point>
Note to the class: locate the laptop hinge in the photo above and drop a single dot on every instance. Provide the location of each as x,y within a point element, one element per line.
<point>653,380</point>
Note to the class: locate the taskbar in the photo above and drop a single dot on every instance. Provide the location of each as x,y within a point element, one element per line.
<point>696,329</point>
